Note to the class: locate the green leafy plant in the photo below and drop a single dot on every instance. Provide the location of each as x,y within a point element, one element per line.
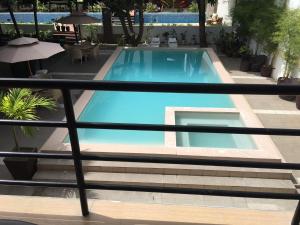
<point>21,104</point>
<point>41,7</point>
<point>244,50</point>
<point>150,7</point>
<point>93,29</point>
<point>166,35</point>
<point>193,7</point>
<point>96,7</point>
<point>123,9</point>
<point>44,35</point>
<point>288,39</point>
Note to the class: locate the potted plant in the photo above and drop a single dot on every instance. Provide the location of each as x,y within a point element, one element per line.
<point>183,37</point>
<point>288,40</point>
<point>298,101</point>
<point>194,40</point>
<point>245,54</point>
<point>21,104</point>
<point>166,36</point>
<point>270,47</point>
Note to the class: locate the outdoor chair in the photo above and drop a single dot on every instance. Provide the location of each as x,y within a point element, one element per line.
<point>155,42</point>
<point>67,48</point>
<point>94,52</point>
<point>76,54</point>
<point>172,42</point>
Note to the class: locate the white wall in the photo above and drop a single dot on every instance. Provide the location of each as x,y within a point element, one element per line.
<point>293,4</point>
<point>224,10</point>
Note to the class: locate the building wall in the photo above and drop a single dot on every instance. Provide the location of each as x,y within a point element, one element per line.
<point>224,10</point>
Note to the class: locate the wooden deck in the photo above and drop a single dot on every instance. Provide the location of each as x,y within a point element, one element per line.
<point>58,211</point>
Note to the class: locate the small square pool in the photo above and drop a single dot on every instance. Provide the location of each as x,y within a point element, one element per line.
<point>212,140</point>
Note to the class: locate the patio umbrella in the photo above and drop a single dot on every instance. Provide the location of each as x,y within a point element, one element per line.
<point>25,49</point>
<point>78,18</point>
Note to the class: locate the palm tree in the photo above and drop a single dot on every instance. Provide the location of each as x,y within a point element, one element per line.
<point>122,9</point>
<point>202,18</point>
<point>10,5</point>
<point>21,104</point>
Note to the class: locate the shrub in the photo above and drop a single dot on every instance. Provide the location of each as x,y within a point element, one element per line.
<point>193,7</point>
<point>288,38</point>
<point>150,7</point>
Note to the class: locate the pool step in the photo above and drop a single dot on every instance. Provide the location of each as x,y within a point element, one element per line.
<point>184,181</point>
<point>166,169</point>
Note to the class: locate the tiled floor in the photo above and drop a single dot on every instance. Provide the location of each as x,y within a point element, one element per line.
<point>268,109</point>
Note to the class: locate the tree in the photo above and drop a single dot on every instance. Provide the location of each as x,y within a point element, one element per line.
<point>263,27</point>
<point>288,39</point>
<point>10,5</point>
<point>123,8</point>
<point>36,24</point>
<point>202,18</point>
<point>21,104</point>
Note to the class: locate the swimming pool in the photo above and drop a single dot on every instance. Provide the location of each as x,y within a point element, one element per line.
<point>50,17</point>
<point>190,66</point>
<point>145,64</point>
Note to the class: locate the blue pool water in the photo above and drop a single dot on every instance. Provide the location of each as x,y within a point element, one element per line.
<point>192,66</point>
<point>50,17</point>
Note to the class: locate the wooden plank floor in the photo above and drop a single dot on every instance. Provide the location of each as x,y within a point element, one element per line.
<point>59,211</point>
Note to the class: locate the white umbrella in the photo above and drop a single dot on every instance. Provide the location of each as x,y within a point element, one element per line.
<point>26,49</point>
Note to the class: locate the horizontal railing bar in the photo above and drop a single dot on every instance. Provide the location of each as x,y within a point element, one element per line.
<point>213,88</point>
<point>39,183</point>
<point>33,123</point>
<point>36,155</point>
<point>189,128</point>
<point>173,190</point>
<point>176,190</point>
<point>190,161</point>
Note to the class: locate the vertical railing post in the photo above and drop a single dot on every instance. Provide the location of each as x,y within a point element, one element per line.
<point>69,110</point>
<point>296,217</point>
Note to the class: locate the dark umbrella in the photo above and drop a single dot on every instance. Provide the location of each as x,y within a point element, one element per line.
<point>78,18</point>
<point>25,49</point>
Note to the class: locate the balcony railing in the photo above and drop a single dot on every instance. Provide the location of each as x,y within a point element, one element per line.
<point>72,124</point>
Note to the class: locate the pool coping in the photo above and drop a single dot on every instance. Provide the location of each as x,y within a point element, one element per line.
<point>267,151</point>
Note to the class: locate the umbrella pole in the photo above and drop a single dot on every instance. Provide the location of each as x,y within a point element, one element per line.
<point>29,69</point>
<point>76,37</point>
<point>41,64</point>
<point>79,32</point>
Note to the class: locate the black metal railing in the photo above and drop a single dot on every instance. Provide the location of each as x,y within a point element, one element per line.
<point>72,124</point>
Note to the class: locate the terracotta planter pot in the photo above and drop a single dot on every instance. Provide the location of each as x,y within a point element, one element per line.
<point>266,71</point>
<point>287,81</point>
<point>22,168</point>
<point>298,101</point>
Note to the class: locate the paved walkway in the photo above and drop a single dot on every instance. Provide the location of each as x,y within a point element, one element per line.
<point>271,110</point>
